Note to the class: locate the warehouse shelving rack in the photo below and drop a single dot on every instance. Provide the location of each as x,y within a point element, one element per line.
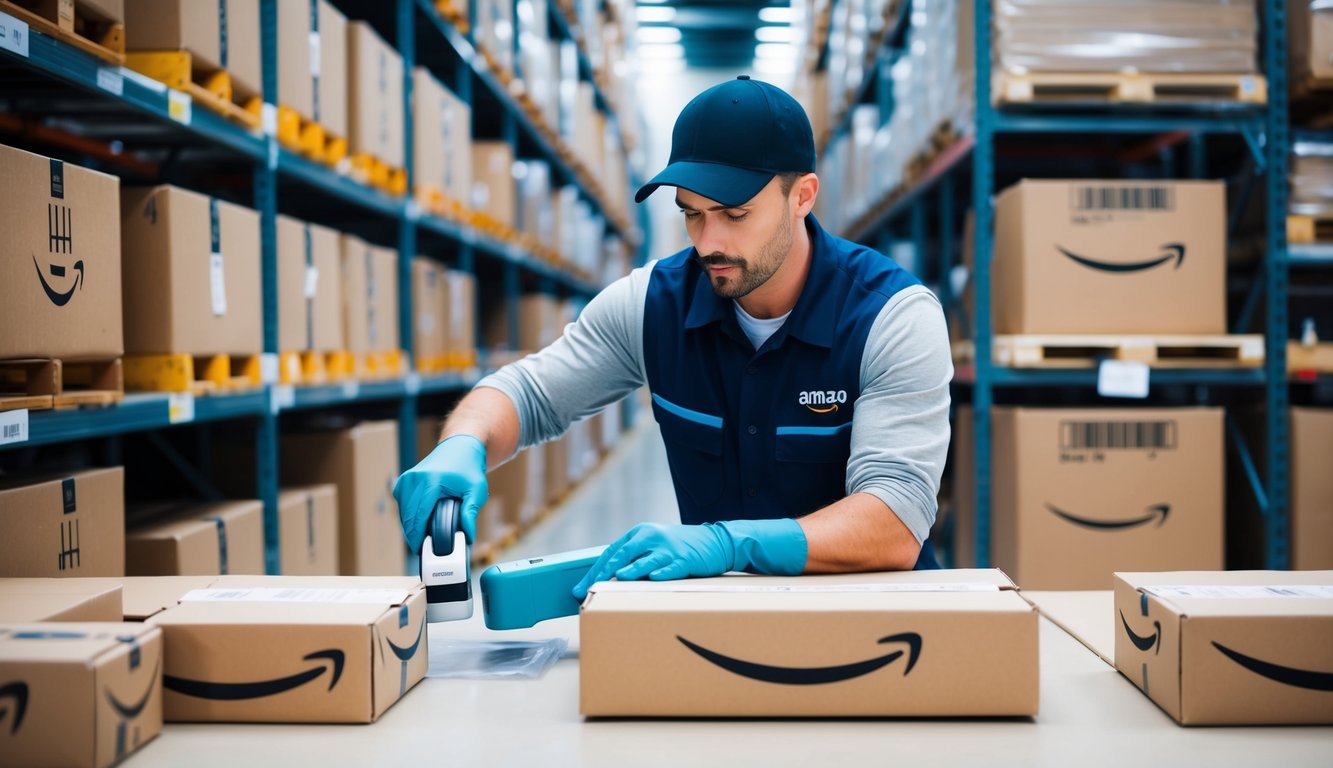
<point>107,101</point>
<point>941,193</point>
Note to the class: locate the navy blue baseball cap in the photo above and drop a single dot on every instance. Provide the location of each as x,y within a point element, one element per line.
<point>732,139</point>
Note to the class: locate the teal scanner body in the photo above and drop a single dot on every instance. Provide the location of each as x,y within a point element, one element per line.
<point>520,593</point>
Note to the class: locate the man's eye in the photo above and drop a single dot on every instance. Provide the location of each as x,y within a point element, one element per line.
<point>737,218</point>
<point>691,214</point>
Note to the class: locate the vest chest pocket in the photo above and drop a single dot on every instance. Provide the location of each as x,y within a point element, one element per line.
<point>694,450</point>
<point>812,466</point>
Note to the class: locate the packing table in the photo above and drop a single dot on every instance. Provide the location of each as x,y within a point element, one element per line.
<point>1090,715</point>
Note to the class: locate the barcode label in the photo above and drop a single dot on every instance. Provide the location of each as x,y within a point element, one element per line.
<point>1124,198</point>
<point>14,426</point>
<point>1117,435</point>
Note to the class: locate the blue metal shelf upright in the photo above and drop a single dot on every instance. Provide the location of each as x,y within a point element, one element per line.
<point>127,101</point>
<point>972,161</point>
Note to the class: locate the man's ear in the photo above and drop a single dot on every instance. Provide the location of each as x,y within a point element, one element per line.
<point>805,191</point>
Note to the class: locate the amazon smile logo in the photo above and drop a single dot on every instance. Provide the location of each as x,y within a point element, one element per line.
<point>129,712</point>
<point>766,673</point>
<point>57,298</point>
<point>1158,512</point>
<point>822,401</point>
<point>205,689</point>
<point>16,692</point>
<point>1293,676</point>
<point>405,654</point>
<point>1144,642</point>
<point>1171,252</point>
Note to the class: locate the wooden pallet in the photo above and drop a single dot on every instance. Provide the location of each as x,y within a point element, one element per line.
<point>388,364</point>
<point>197,374</point>
<point>1307,361</point>
<point>41,384</point>
<point>314,368</point>
<point>206,85</point>
<point>309,138</point>
<point>370,170</point>
<point>454,13</point>
<point>1312,228</point>
<point>1127,87</point>
<point>1087,351</point>
<point>74,23</point>
<point>436,201</point>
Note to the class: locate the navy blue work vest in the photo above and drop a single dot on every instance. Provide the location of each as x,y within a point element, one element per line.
<point>763,434</point>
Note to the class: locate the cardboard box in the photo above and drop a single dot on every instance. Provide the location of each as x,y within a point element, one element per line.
<point>1310,40</point>
<point>1101,256</point>
<point>312,63</point>
<point>60,289</point>
<point>557,468</point>
<point>1228,648</point>
<point>375,95</point>
<point>369,296</point>
<point>441,138</point>
<point>23,601</point>
<point>196,26</point>
<point>535,214</point>
<point>1311,488</point>
<point>873,644</point>
<point>308,531</point>
<point>430,332</point>
<point>520,485</point>
<point>186,539</point>
<point>363,462</point>
<point>147,596</point>
<point>493,190</point>
<point>88,694</point>
<point>190,281</point>
<point>69,524</point>
<point>309,287</point>
<point>334,649</point>
<point>1077,494</point>
<point>462,324</point>
<point>540,323</point>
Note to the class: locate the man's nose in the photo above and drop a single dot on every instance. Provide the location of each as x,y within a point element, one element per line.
<point>708,239</point>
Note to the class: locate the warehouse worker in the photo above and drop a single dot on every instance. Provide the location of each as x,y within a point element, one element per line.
<point>801,381</point>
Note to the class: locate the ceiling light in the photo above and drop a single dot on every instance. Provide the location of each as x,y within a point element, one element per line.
<point>658,35</point>
<point>774,51</point>
<point>662,67</point>
<point>661,52</point>
<point>775,34</point>
<point>778,15</point>
<point>655,15</point>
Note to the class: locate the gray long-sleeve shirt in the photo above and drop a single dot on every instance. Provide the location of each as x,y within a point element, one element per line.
<point>904,376</point>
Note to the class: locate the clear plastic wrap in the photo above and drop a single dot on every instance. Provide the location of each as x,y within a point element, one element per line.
<point>1311,179</point>
<point>494,659</point>
<point>1168,36</point>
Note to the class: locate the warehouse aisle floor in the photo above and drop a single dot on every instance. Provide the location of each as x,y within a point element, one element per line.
<point>632,485</point>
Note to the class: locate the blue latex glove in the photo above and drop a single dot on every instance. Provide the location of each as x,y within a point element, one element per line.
<point>665,552</point>
<point>455,469</point>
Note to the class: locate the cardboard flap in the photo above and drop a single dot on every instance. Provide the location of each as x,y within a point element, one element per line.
<point>144,596</point>
<point>1237,593</point>
<point>74,641</point>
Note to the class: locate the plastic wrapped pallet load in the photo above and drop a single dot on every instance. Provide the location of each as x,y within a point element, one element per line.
<point>1195,36</point>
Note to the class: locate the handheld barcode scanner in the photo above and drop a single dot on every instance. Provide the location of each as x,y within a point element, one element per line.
<point>445,565</point>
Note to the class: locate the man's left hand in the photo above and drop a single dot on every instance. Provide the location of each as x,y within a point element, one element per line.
<point>664,552</point>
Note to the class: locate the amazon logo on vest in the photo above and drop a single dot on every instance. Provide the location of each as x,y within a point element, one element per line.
<point>1155,513</point>
<point>1170,252</point>
<point>1311,680</point>
<point>326,660</point>
<point>768,673</point>
<point>822,401</point>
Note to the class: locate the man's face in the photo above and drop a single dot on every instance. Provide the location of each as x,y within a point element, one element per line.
<point>740,247</point>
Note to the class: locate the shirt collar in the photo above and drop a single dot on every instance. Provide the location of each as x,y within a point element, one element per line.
<point>811,319</point>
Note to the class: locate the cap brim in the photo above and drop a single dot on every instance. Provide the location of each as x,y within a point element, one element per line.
<point>723,184</point>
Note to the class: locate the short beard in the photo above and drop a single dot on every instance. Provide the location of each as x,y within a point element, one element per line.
<point>749,277</point>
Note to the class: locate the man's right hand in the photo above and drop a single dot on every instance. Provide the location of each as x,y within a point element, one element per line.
<point>455,469</point>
